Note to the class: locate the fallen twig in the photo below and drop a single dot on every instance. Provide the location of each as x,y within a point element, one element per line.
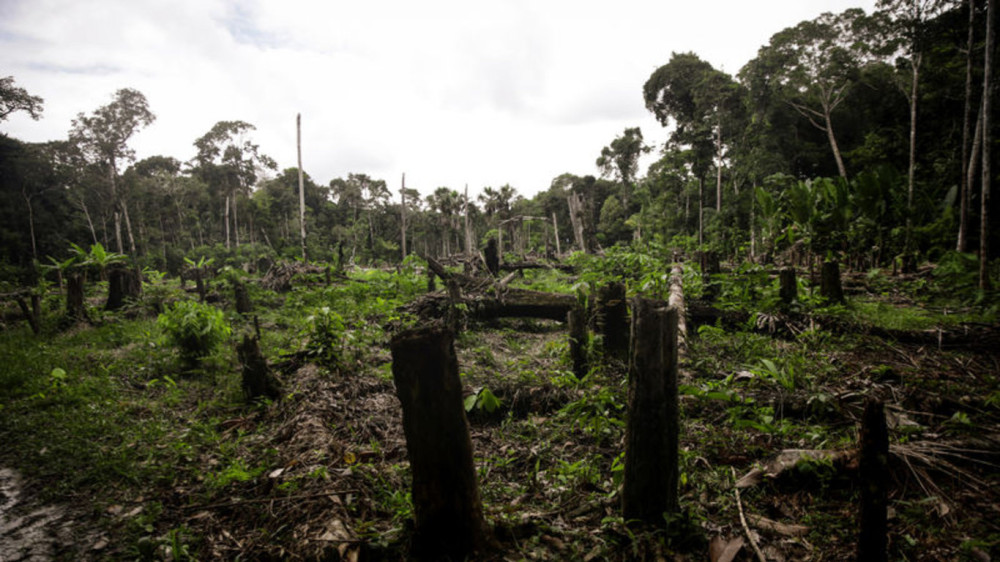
<point>743,520</point>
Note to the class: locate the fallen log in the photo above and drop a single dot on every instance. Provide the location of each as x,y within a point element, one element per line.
<point>518,303</point>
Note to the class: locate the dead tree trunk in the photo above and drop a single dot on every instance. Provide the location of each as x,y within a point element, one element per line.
<point>446,505</point>
<point>123,283</point>
<point>789,290</point>
<point>76,309</point>
<point>200,284</point>
<point>651,434</point>
<point>874,473</point>
<point>577,321</point>
<point>32,313</point>
<point>829,284</point>
<point>613,319</point>
<point>242,297</point>
<point>492,255</point>
<point>258,380</point>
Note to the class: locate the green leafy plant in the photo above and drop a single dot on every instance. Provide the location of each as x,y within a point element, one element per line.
<point>195,328</point>
<point>483,400</point>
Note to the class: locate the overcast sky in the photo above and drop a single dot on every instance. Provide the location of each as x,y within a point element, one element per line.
<point>449,92</point>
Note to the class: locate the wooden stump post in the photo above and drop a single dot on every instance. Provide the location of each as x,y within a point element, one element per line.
<point>829,284</point>
<point>200,284</point>
<point>75,306</point>
<point>446,505</point>
<point>123,283</point>
<point>653,424</point>
<point>242,297</point>
<point>874,473</point>
<point>576,318</point>
<point>492,256</point>
<point>789,290</point>
<point>258,380</point>
<point>709,262</point>
<point>613,319</point>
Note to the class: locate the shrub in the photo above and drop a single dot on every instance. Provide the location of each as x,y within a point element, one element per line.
<point>195,328</point>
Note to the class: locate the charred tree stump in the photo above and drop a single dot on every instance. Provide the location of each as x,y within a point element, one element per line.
<point>76,309</point>
<point>258,380</point>
<point>32,313</point>
<point>446,505</point>
<point>613,319</point>
<point>651,433</point>
<point>829,284</point>
<point>576,318</point>
<point>789,289</point>
<point>492,256</point>
<point>123,284</point>
<point>200,284</point>
<point>874,473</point>
<point>242,298</point>
<point>431,285</point>
<point>709,263</point>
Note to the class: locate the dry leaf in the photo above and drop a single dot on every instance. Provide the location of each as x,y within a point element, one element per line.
<point>723,550</point>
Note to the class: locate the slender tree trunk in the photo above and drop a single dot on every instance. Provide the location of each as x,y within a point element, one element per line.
<point>470,247</point>
<point>31,223</point>
<point>90,223</point>
<point>701,211</point>
<point>911,169</point>
<point>718,171</point>
<point>302,193</point>
<point>225,218</point>
<point>555,230</point>
<point>402,213</point>
<point>984,218</point>
<point>966,185</point>
<point>128,227</point>
<point>833,142</point>
<point>236,220</point>
<point>116,206</point>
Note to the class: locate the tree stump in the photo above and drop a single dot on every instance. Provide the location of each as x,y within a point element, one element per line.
<point>242,298</point>
<point>447,509</point>
<point>874,473</point>
<point>76,309</point>
<point>709,262</point>
<point>431,285</point>
<point>651,432</point>
<point>576,318</point>
<point>492,256</point>
<point>258,380</point>
<point>200,284</point>
<point>123,284</point>
<point>789,291</point>
<point>829,283</point>
<point>613,319</point>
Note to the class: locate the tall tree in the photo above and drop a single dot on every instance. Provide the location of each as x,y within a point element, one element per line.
<point>621,160</point>
<point>909,24</point>
<point>104,135</point>
<point>229,158</point>
<point>813,65</point>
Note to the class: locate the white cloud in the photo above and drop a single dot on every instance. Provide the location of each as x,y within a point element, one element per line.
<point>450,92</point>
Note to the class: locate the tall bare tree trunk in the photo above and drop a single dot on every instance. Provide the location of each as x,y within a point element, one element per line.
<point>116,207</point>
<point>470,247</point>
<point>236,220</point>
<point>555,230</point>
<point>225,217</point>
<point>302,192</point>
<point>911,169</point>
<point>833,142</point>
<point>701,210</point>
<point>31,222</point>
<point>966,185</point>
<point>402,213</point>
<point>984,218</point>
<point>718,171</point>
<point>128,227</point>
